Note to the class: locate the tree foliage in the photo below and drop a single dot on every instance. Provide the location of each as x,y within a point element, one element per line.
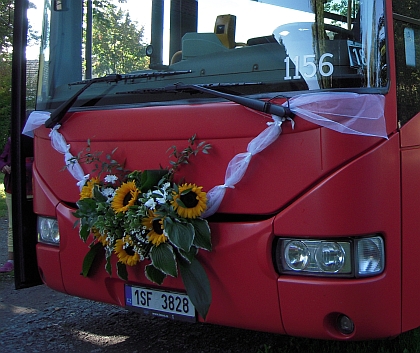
<point>6,35</point>
<point>408,75</point>
<point>6,24</point>
<point>117,41</point>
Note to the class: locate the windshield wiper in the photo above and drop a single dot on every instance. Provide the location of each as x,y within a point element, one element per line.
<point>58,114</point>
<point>130,77</point>
<point>256,104</point>
<point>60,111</point>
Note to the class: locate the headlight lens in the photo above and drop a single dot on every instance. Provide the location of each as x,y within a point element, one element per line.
<point>48,231</point>
<point>343,258</point>
<point>330,256</point>
<point>296,255</point>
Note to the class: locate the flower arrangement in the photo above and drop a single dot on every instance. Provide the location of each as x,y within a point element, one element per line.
<point>145,215</point>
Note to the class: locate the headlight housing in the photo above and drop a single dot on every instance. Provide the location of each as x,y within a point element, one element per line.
<point>48,231</point>
<point>352,257</point>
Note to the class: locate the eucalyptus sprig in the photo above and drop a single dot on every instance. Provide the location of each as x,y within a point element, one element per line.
<point>108,166</point>
<point>183,157</point>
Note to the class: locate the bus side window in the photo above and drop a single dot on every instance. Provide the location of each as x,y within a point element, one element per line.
<point>407,60</point>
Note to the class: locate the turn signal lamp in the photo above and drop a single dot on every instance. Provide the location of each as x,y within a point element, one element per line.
<point>48,231</point>
<point>370,256</point>
<point>343,258</point>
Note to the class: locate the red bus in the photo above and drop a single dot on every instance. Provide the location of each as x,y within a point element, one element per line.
<point>300,217</point>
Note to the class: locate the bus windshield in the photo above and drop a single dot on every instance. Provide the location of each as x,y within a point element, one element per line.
<point>261,48</point>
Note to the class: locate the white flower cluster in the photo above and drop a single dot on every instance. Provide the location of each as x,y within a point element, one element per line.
<point>109,192</point>
<point>157,197</point>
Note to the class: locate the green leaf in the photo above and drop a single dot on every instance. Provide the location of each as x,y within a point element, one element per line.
<point>202,237</point>
<point>188,255</point>
<point>136,177</point>
<point>197,285</point>
<point>163,258</point>
<point>180,234</point>
<point>154,275</point>
<point>122,271</point>
<point>86,206</point>
<point>180,203</point>
<point>150,178</point>
<point>108,266</point>
<point>90,258</point>
<point>98,195</point>
<point>84,231</point>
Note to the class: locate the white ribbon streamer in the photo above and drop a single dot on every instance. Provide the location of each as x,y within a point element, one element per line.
<point>36,119</point>
<point>345,112</point>
<point>239,164</point>
<point>58,142</point>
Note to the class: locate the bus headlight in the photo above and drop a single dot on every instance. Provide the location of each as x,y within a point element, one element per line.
<point>296,255</point>
<point>48,231</point>
<point>343,258</point>
<point>330,256</point>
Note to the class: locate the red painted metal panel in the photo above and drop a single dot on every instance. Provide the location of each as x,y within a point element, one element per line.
<point>410,133</point>
<point>49,266</point>
<point>310,307</point>
<point>277,175</point>
<point>410,162</point>
<point>360,199</point>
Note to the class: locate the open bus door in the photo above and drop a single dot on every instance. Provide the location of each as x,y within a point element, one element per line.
<point>24,219</point>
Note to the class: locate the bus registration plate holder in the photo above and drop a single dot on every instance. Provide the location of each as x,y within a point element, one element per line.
<point>161,303</point>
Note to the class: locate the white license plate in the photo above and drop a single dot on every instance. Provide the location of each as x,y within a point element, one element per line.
<point>171,305</point>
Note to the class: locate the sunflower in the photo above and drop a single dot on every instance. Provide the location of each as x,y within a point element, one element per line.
<point>125,196</point>
<point>156,235</point>
<point>126,253</point>
<point>87,190</point>
<point>189,201</point>
<point>100,237</point>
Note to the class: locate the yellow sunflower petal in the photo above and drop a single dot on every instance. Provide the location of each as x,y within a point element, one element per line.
<point>126,256</point>
<point>87,190</point>
<point>155,236</point>
<point>125,196</point>
<point>195,201</point>
<point>100,237</point>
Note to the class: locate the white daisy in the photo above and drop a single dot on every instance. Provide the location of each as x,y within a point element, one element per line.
<point>111,179</point>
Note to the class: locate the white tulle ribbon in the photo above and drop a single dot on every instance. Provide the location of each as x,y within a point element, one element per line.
<point>344,112</point>
<point>36,119</point>
<point>239,164</point>
<point>58,142</point>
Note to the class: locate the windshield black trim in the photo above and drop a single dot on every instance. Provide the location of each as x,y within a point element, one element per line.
<point>407,19</point>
